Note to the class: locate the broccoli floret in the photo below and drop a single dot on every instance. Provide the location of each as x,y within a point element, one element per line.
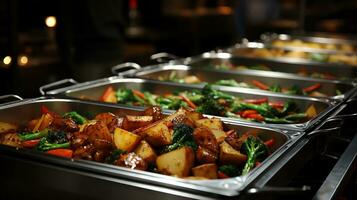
<point>259,67</point>
<point>264,109</point>
<point>53,140</point>
<point>295,90</point>
<point>209,92</point>
<point>170,103</point>
<point>318,57</point>
<point>211,107</point>
<point>288,107</point>
<point>229,170</point>
<point>254,149</point>
<point>275,88</point>
<point>125,96</point>
<point>79,119</point>
<point>114,156</point>
<point>182,136</point>
<point>194,96</point>
<point>150,98</point>
<point>232,82</point>
<point>229,82</point>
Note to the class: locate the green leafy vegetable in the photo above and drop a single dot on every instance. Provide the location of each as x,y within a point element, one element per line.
<point>31,136</point>
<point>114,156</point>
<point>53,140</point>
<point>229,170</point>
<point>254,148</point>
<point>79,119</point>
<point>182,136</point>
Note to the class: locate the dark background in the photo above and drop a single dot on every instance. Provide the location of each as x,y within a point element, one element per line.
<point>92,36</point>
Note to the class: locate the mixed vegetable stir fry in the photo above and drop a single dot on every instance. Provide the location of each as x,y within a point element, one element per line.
<point>184,144</point>
<point>312,90</point>
<point>302,72</point>
<point>313,45</point>
<point>341,58</point>
<point>214,102</point>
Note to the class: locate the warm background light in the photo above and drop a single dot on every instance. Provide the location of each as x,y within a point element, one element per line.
<point>51,21</point>
<point>7,60</point>
<point>23,60</point>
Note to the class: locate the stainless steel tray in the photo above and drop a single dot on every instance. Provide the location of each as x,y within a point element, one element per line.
<point>338,42</point>
<point>92,90</point>
<point>256,49</point>
<point>22,111</point>
<point>164,71</point>
<point>295,66</point>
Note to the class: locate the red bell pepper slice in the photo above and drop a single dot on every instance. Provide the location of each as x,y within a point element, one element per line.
<point>276,104</point>
<point>222,175</point>
<point>139,94</point>
<point>260,85</point>
<point>108,95</point>
<point>67,153</point>
<point>269,143</point>
<point>188,101</point>
<point>245,113</point>
<point>257,101</point>
<point>257,164</point>
<point>30,143</point>
<point>256,116</point>
<point>312,87</point>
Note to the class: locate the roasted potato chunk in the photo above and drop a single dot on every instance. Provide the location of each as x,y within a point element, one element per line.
<point>204,155</point>
<point>10,139</point>
<point>125,140</point>
<point>145,151</point>
<point>46,122</point>
<point>228,155</point>
<point>177,163</point>
<point>182,119</point>
<point>7,127</point>
<point>155,112</point>
<point>111,120</point>
<point>158,135</point>
<point>194,116</point>
<point>219,134</point>
<point>206,170</point>
<point>97,130</point>
<point>205,138</point>
<point>213,123</point>
<point>131,122</point>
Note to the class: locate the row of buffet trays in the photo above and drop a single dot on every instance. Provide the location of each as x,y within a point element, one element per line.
<point>323,65</point>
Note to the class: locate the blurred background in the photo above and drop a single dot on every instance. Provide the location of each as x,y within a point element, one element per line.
<point>45,41</point>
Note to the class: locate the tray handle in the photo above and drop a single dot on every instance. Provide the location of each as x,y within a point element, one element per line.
<point>282,191</point>
<point>163,57</point>
<point>64,82</point>
<point>124,67</point>
<point>326,131</point>
<point>340,119</point>
<point>4,99</point>
<point>340,173</point>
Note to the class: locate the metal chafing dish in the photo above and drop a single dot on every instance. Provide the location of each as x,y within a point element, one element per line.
<point>256,49</point>
<point>92,90</point>
<point>164,71</point>
<point>68,175</point>
<point>214,60</point>
<point>30,174</point>
<point>320,42</point>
